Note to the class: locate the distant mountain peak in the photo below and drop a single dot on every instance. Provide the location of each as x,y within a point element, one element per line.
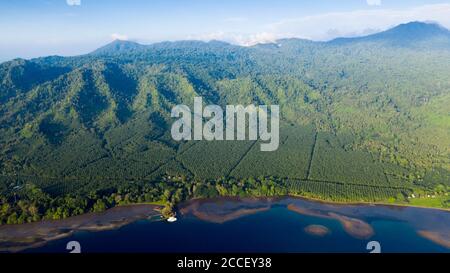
<point>407,34</point>
<point>419,28</point>
<point>119,46</point>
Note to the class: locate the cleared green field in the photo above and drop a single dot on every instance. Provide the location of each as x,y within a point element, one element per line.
<point>437,202</point>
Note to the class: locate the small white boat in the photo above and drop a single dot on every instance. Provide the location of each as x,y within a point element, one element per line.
<point>171,219</point>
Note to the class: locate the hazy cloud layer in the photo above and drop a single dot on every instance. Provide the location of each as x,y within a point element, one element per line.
<point>73,2</point>
<point>117,36</point>
<point>236,38</point>
<point>374,2</point>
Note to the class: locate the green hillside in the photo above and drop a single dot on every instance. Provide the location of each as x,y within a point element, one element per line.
<point>363,119</point>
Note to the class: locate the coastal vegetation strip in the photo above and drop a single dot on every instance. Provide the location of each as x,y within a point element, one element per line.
<point>28,202</point>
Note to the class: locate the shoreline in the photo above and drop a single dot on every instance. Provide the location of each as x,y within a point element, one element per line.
<point>359,203</point>
<point>318,200</point>
<point>19,237</point>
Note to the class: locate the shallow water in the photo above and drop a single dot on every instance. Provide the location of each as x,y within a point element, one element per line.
<point>273,225</point>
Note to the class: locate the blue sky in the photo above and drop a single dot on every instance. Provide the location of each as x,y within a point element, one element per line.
<point>31,28</point>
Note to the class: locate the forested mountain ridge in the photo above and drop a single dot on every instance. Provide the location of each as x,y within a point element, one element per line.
<point>363,119</point>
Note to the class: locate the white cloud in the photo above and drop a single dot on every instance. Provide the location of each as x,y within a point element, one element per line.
<point>258,38</point>
<point>373,2</point>
<point>73,2</point>
<point>117,36</point>
<point>237,38</point>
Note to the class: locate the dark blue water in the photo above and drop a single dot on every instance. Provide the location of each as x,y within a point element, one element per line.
<point>275,230</point>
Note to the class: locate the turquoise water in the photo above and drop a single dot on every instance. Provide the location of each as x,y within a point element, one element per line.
<point>276,229</point>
